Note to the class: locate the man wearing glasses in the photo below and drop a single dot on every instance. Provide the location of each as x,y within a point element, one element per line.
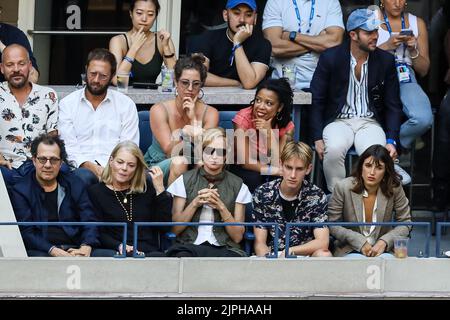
<point>46,194</point>
<point>27,110</point>
<point>93,120</point>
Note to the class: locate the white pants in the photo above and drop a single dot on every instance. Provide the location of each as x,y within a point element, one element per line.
<point>339,136</point>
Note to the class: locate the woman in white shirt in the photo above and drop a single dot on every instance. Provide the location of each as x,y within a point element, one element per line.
<point>372,194</point>
<point>406,36</point>
<point>209,194</point>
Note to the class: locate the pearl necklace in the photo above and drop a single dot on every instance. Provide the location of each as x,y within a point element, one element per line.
<point>125,201</point>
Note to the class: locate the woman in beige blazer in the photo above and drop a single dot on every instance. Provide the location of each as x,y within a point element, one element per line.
<point>372,194</point>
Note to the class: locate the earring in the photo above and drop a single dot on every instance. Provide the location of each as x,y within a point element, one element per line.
<point>203,94</point>
<point>176,91</point>
<point>381,5</point>
<point>406,5</point>
<point>278,116</point>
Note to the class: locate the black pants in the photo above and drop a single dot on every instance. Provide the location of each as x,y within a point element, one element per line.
<point>441,157</point>
<point>202,250</point>
<point>252,179</point>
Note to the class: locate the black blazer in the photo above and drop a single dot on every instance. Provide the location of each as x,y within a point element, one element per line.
<point>329,89</point>
<point>27,199</point>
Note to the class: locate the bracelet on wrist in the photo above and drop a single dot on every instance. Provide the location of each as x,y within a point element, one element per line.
<point>228,218</point>
<point>169,55</point>
<point>128,59</point>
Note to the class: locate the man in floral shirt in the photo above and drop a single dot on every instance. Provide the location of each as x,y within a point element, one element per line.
<point>291,199</point>
<point>26,111</point>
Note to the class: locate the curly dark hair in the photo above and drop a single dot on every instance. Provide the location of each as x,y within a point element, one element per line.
<point>49,139</point>
<point>379,154</point>
<point>285,96</point>
<point>195,62</point>
<point>155,2</point>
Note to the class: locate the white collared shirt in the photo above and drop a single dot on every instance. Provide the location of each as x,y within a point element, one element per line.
<point>91,135</point>
<point>368,232</point>
<point>19,125</point>
<point>357,103</point>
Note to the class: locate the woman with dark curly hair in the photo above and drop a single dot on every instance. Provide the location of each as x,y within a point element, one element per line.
<point>372,194</point>
<point>266,126</point>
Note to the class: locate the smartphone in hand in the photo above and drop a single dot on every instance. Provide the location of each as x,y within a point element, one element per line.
<point>406,32</point>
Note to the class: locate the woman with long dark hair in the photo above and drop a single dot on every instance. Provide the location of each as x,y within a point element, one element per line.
<point>372,194</point>
<point>140,50</point>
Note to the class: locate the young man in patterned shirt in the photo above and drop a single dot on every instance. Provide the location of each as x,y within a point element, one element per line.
<point>26,109</point>
<point>291,199</point>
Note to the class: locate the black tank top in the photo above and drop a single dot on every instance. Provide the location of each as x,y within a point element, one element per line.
<point>146,72</point>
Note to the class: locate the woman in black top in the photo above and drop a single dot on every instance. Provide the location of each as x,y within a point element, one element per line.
<point>141,51</point>
<point>126,194</point>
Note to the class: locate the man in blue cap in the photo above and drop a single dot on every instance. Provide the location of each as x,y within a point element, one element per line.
<point>355,97</point>
<point>236,56</point>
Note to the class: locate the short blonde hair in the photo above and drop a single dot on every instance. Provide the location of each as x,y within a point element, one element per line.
<point>138,181</point>
<point>210,134</point>
<point>298,150</point>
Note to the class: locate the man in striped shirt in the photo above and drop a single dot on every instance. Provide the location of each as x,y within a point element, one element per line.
<point>355,97</point>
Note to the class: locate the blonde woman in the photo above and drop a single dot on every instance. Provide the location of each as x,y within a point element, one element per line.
<point>209,194</point>
<point>127,194</point>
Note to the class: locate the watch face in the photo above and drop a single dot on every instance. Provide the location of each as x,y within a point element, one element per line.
<point>292,35</point>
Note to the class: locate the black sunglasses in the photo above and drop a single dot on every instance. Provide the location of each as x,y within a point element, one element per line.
<point>220,152</point>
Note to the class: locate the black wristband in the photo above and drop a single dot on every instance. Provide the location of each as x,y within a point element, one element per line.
<point>169,55</point>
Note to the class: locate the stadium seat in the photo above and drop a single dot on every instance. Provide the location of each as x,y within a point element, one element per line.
<point>225,119</point>
<point>145,133</point>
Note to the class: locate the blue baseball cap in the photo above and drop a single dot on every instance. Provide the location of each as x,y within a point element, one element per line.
<point>366,19</point>
<point>234,3</point>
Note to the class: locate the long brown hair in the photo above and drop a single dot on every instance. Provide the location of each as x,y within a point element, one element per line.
<point>390,179</point>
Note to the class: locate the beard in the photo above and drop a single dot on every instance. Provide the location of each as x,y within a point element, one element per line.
<point>233,32</point>
<point>366,48</point>
<point>17,84</point>
<point>100,90</point>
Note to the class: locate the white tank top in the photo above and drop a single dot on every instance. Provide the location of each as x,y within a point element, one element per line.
<point>384,36</point>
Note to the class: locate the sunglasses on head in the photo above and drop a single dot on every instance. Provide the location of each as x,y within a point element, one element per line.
<point>220,152</point>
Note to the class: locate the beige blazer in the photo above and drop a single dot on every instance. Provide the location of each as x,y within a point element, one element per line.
<point>347,206</point>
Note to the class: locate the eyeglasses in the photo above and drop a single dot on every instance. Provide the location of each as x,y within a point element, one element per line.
<point>220,152</point>
<point>185,84</point>
<point>53,160</point>
<point>101,76</point>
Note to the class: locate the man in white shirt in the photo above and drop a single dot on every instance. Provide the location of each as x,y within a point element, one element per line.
<point>95,119</point>
<point>27,110</point>
<point>299,30</point>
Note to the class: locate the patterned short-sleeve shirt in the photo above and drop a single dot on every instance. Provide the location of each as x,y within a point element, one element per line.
<point>267,207</point>
<point>19,125</point>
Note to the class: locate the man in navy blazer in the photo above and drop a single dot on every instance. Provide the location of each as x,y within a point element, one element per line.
<point>48,195</point>
<point>355,97</point>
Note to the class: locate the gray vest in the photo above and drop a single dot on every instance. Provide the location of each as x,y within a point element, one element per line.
<point>228,189</point>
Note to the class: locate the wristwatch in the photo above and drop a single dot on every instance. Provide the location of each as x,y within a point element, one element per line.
<point>292,35</point>
<point>391,141</point>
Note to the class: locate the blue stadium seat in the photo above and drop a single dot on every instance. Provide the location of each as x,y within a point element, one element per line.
<point>145,133</point>
<point>225,119</point>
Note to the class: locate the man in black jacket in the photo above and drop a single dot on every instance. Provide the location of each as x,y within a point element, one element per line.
<point>48,195</point>
<point>355,97</point>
